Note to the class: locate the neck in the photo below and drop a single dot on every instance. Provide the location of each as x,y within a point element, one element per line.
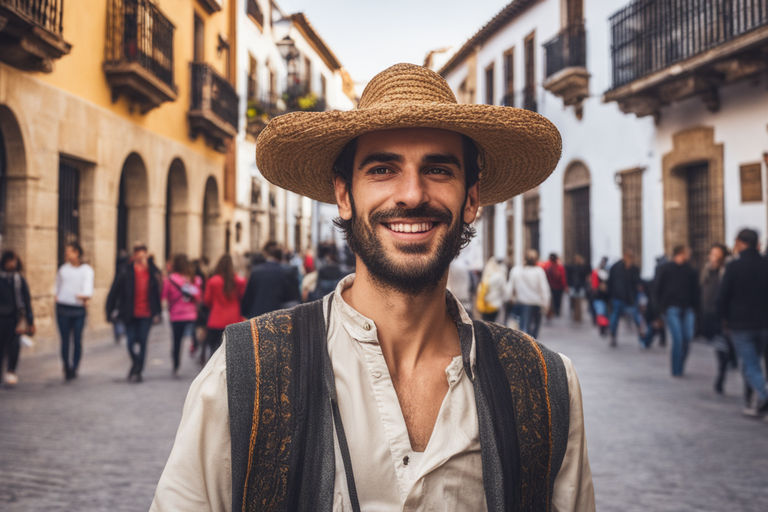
<point>411,328</point>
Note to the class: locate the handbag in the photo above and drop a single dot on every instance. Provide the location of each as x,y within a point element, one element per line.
<point>481,305</point>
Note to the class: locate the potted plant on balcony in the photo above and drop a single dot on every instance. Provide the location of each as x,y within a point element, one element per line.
<point>257,117</point>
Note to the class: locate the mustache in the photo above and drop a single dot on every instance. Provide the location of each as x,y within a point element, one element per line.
<point>411,213</point>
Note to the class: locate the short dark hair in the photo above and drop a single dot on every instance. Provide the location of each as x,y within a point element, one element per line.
<point>181,264</point>
<point>722,247</point>
<point>748,236</point>
<point>76,246</point>
<point>344,164</point>
<point>140,246</point>
<point>273,250</point>
<point>7,256</point>
<point>678,249</point>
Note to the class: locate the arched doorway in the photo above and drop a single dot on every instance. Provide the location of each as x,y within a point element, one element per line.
<point>132,204</point>
<point>13,182</point>
<point>176,210</point>
<point>576,217</point>
<point>213,235</point>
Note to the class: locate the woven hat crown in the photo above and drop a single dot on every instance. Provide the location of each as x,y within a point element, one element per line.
<point>406,83</point>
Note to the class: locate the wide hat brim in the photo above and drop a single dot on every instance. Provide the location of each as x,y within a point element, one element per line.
<point>518,149</point>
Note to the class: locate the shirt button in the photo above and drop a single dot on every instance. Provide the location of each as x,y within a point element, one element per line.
<point>367,326</point>
<point>376,374</point>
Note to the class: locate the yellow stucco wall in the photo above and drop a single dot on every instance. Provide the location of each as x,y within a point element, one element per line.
<point>80,72</point>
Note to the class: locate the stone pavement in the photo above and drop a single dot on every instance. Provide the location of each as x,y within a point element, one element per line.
<point>656,444</point>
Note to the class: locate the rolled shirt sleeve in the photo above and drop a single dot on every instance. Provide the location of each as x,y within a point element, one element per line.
<point>573,485</point>
<point>197,476</point>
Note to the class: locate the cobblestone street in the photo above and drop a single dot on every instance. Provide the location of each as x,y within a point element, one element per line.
<point>656,444</point>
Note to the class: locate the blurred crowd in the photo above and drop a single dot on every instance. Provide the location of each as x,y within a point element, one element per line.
<point>724,303</point>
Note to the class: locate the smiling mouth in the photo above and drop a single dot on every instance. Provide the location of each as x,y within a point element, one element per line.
<point>410,227</point>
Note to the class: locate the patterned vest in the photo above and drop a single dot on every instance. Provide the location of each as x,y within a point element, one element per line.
<point>282,431</point>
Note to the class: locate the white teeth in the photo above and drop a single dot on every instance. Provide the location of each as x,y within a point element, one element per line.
<point>411,228</point>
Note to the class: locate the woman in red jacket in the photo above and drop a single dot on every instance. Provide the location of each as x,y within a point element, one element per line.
<point>223,294</point>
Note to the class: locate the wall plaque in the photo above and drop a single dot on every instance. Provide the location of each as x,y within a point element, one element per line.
<point>751,183</point>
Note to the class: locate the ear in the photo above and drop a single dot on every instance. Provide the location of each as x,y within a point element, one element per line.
<point>472,204</point>
<point>341,191</point>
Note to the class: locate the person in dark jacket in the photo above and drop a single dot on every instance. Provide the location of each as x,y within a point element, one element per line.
<point>710,322</point>
<point>577,275</point>
<point>270,286</point>
<point>623,287</point>
<point>743,305</point>
<point>134,298</point>
<point>677,295</point>
<point>16,316</point>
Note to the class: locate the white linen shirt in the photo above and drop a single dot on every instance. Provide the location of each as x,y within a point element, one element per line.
<point>389,475</point>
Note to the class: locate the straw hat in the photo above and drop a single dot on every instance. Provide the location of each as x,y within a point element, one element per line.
<point>518,148</point>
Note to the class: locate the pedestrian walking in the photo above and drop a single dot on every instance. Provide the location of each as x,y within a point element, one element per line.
<point>16,318</point>
<point>577,275</point>
<point>528,291</point>
<point>491,290</point>
<point>271,285</point>
<point>323,281</point>
<point>599,294</point>
<point>623,287</point>
<point>223,294</point>
<point>74,288</point>
<point>200,272</point>
<point>182,291</point>
<point>677,294</point>
<point>427,433</point>
<point>558,283</point>
<point>710,321</point>
<point>134,298</point>
<point>742,304</point>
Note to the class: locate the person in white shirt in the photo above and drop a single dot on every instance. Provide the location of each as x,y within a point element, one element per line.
<point>385,395</point>
<point>528,292</point>
<point>74,288</point>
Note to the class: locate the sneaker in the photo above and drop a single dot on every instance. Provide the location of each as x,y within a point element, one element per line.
<point>613,341</point>
<point>751,409</point>
<point>762,407</point>
<point>11,379</point>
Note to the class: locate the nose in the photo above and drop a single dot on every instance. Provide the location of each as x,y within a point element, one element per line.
<point>411,190</point>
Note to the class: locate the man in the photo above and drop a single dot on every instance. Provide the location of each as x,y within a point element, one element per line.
<point>74,288</point>
<point>558,282</point>
<point>385,395</point>
<point>528,291</point>
<point>742,304</point>
<point>711,325</point>
<point>677,295</point>
<point>16,316</point>
<point>321,282</point>
<point>270,285</point>
<point>134,299</point>
<point>623,285</point>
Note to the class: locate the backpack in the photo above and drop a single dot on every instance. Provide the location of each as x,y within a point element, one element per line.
<point>480,304</point>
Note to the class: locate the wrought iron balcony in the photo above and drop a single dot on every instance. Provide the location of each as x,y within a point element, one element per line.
<point>139,53</point>
<point>566,65</point>
<point>31,33</point>
<point>664,51</point>
<point>258,113</point>
<point>213,106</point>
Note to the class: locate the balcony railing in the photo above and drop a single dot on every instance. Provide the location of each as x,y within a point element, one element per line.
<point>650,35</point>
<point>567,49</point>
<point>139,52</point>
<point>31,33</point>
<point>44,13</point>
<point>508,100</point>
<point>213,106</point>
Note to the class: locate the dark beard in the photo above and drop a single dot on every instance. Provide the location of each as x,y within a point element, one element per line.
<point>410,279</point>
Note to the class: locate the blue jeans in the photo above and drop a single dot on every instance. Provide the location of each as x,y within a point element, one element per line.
<point>136,333</point>
<point>750,345</point>
<point>680,322</point>
<point>71,320</point>
<point>620,307</point>
<point>529,318</point>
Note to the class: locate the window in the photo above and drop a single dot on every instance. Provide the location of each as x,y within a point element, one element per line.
<point>252,78</point>
<point>632,211</point>
<point>531,220</point>
<point>489,85</point>
<point>307,75</point>
<point>198,54</point>
<point>69,205</point>
<point>323,86</point>
<point>509,78</point>
<point>529,92</point>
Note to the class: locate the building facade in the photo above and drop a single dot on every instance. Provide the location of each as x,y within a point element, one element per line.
<point>284,65</point>
<point>135,120</point>
<point>661,107</point>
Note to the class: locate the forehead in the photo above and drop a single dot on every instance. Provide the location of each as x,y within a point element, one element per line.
<point>410,140</point>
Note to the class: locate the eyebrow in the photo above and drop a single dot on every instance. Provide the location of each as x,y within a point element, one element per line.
<point>437,158</point>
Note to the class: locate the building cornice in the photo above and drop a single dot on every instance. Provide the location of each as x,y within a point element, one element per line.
<point>314,39</point>
<point>498,22</point>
